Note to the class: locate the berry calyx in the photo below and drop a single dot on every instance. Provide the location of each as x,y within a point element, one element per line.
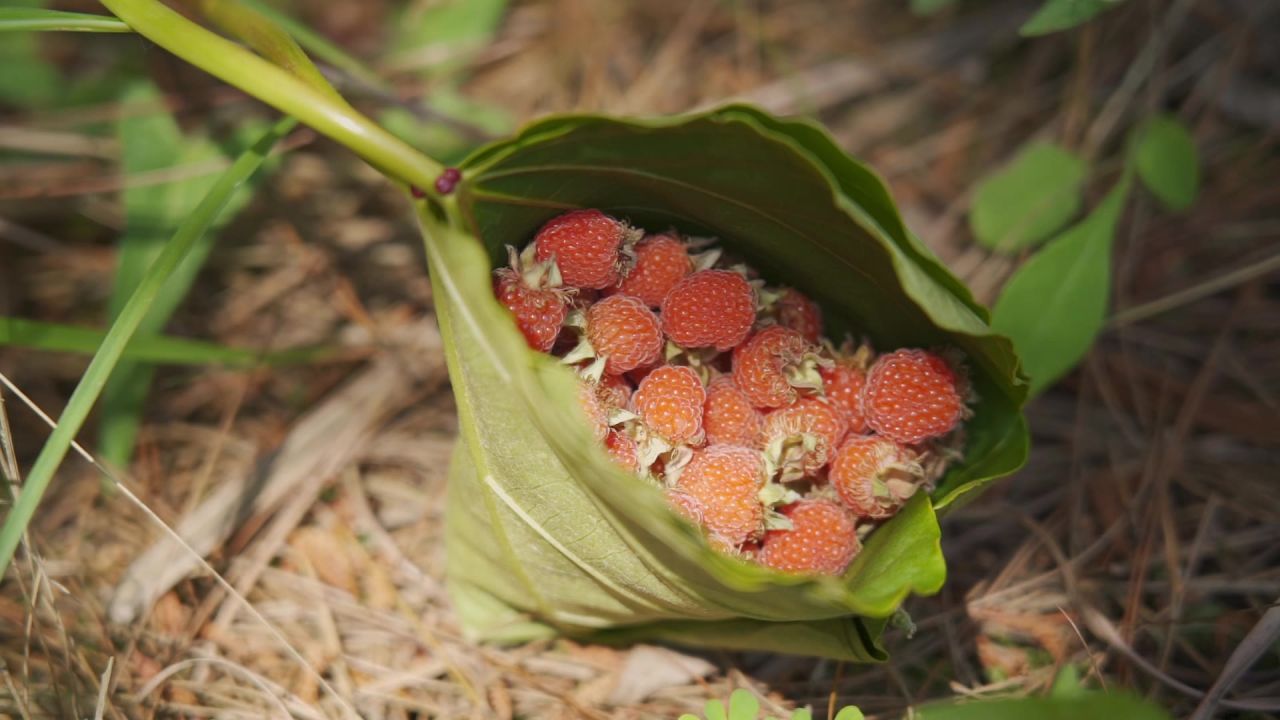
<point>710,308</point>
<point>801,439</point>
<point>669,402</point>
<point>725,481</point>
<point>823,540</point>
<point>587,246</point>
<point>911,396</point>
<point>661,261</point>
<point>773,364</point>
<point>728,417</point>
<point>874,475</point>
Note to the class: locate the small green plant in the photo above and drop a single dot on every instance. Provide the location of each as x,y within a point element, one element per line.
<point>743,705</point>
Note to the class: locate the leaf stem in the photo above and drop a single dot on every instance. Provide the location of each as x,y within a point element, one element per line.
<point>279,88</point>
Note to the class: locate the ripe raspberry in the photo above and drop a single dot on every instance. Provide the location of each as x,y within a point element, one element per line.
<point>587,246</point>
<point>710,308</point>
<point>802,438</point>
<point>796,311</point>
<point>539,312</point>
<point>669,402</point>
<point>770,366</point>
<point>728,416</point>
<point>625,332</point>
<point>842,385</point>
<point>912,395</point>
<point>622,450</point>
<point>597,414</point>
<point>724,480</point>
<point>873,475</point>
<point>823,540</point>
<point>614,391</point>
<point>661,262</point>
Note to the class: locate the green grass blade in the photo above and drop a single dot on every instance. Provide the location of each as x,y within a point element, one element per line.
<point>37,19</point>
<point>57,337</point>
<point>278,88</point>
<point>117,339</point>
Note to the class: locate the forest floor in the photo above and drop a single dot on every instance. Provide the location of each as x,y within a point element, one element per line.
<point>1139,543</point>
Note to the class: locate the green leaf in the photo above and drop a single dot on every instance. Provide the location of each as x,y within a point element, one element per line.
<point>743,705</point>
<point>1067,683</point>
<point>1057,15</point>
<point>28,79</point>
<point>1095,706</point>
<point>1166,160</point>
<point>38,19</point>
<point>542,526</point>
<point>54,337</point>
<point>850,713</point>
<point>121,332</point>
<point>1028,200</point>
<point>1055,305</point>
<point>929,7</point>
<point>453,26</point>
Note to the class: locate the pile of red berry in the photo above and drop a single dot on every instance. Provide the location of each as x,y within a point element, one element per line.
<point>783,447</point>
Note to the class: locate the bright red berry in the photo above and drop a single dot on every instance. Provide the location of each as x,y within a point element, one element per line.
<point>770,366</point>
<point>661,262</point>
<point>911,396</point>
<point>796,311</point>
<point>587,246</point>
<point>842,385</point>
<point>823,540</point>
<point>803,437</point>
<point>873,475</point>
<point>539,312</point>
<point>625,332</point>
<point>728,417</point>
<point>725,481</point>
<point>623,450</point>
<point>669,401</point>
<point>710,308</point>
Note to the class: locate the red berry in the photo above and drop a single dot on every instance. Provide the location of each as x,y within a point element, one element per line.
<point>622,450</point>
<point>842,385</point>
<point>539,312</point>
<point>710,308</point>
<point>767,367</point>
<point>873,475</point>
<point>725,480</point>
<point>823,540</point>
<point>661,262</point>
<point>912,395</point>
<point>597,414</point>
<point>669,402</point>
<point>587,247</point>
<point>728,417</point>
<point>806,435</point>
<point>614,391</point>
<point>625,332</point>
<point>798,312</point>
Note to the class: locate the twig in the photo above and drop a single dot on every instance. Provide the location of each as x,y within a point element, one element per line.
<point>1260,639</point>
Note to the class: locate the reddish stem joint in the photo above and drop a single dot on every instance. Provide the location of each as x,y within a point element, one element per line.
<point>448,180</point>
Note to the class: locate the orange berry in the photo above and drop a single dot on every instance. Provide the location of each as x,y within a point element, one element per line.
<point>661,262</point>
<point>539,312</point>
<point>596,413</point>
<point>808,433</point>
<point>728,417</point>
<point>622,450</point>
<point>669,402</point>
<point>625,332</point>
<point>587,247</point>
<point>823,540</point>
<point>725,480</point>
<point>842,385</point>
<point>796,311</point>
<point>710,308</point>
<point>911,396</point>
<point>764,366</point>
